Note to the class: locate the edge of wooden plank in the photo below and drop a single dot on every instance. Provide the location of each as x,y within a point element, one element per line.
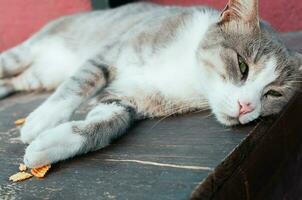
<point>230,176</point>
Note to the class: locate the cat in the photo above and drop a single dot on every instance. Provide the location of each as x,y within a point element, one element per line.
<point>144,60</point>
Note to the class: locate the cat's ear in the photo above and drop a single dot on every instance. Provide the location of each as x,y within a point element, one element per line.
<point>241,15</point>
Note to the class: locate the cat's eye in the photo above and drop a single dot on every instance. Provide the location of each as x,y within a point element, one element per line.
<point>243,67</point>
<point>273,93</point>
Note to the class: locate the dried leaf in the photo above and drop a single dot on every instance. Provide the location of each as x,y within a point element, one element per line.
<point>20,121</point>
<point>22,167</point>
<point>20,176</point>
<point>40,172</point>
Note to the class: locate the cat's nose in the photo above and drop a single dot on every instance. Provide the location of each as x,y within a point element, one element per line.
<point>245,107</point>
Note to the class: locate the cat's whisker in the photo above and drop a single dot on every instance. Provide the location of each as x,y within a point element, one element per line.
<point>171,114</point>
<point>208,116</point>
<point>163,118</point>
<point>294,81</point>
<point>199,111</point>
<point>184,106</point>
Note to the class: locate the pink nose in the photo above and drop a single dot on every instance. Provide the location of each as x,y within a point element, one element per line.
<point>245,107</point>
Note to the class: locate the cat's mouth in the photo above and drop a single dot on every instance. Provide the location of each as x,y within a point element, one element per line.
<point>232,121</point>
<point>245,119</point>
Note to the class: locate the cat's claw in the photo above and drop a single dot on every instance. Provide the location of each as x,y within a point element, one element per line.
<point>43,118</point>
<point>53,145</point>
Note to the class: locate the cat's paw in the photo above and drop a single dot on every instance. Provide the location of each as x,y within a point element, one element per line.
<point>46,116</point>
<point>5,88</point>
<point>36,155</point>
<point>53,145</point>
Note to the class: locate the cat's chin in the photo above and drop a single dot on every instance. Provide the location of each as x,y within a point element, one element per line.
<point>233,121</point>
<point>227,120</point>
<point>248,118</point>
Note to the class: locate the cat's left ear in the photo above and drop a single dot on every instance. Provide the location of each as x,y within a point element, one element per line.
<point>240,15</point>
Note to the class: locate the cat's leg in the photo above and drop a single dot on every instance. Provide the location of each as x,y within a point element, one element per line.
<point>102,124</point>
<point>91,77</point>
<point>29,80</point>
<point>37,65</point>
<point>13,62</point>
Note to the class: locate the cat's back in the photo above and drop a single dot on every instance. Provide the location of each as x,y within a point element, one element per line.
<point>95,19</point>
<point>113,22</point>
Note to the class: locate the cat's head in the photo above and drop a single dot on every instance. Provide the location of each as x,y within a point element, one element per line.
<point>250,71</point>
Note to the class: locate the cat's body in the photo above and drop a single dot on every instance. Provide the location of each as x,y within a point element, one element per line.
<point>138,41</point>
<point>139,61</point>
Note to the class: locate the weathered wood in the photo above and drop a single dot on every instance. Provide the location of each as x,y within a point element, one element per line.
<point>116,172</point>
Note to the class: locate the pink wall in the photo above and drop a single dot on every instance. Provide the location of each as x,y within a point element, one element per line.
<point>284,15</point>
<point>20,18</point>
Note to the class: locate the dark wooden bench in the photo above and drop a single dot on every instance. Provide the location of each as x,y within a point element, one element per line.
<point>167,159</point>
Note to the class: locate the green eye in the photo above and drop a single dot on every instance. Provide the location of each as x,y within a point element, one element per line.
<point>273,93</point>
<point>243,67</point>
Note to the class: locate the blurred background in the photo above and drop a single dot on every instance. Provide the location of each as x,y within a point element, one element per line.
<point>19,19</point>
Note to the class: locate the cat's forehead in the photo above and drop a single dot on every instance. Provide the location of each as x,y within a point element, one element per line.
<point>254,45</point>
<point>260,49</point>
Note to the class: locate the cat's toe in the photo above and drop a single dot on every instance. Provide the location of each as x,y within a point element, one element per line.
<point>42,119</point>
<point>26,135</point>
<point>35,156</point>
<point>53,145</point>
<point>30,130</point>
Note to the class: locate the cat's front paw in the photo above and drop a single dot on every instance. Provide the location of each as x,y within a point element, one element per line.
<point>43,118</point>
<point>36,155</point>
<point>53,145</point>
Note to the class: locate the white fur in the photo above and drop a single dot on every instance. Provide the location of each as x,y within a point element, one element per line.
<point>60,143</point>
<point>103,112</point>
<point>172,72</point>
<point>224,97</point>
<point>25,57</point>
<point>53,145</point>
<point>48,115</point>
<point>53,64</point>
<point>252,91</point>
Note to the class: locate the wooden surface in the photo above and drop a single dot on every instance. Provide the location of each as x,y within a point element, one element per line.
<point>194,140</point>
<point>131,168</point>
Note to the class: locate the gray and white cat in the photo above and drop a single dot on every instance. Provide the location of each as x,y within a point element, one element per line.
<point>142,61</point>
